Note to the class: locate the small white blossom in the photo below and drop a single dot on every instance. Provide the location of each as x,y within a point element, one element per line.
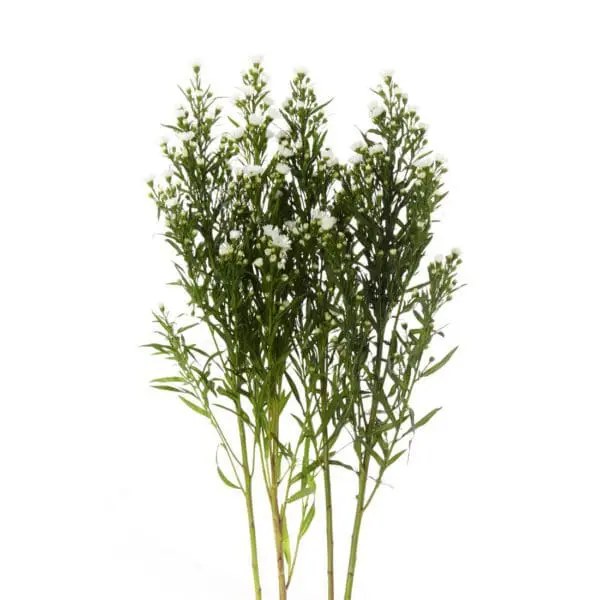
<point>326,221</point>
<point>253,170</point>
<point>424,161</point>
<point>421,125</point>
<point>186,136</point>
<point>291,225</point>
<point>256,119</point>
<point>358,145</point>
<point>256,59</point>
<point>247,90</point>
<point>387,73</point>
<point>439,258</point>
<point>235,234</point>
<point>285,151</point>
<point>270,133</point>
<point>376,149</point>
<point>273,112</point>
<point>355,159</point>
<point>282,168</point>
<point>411,108</point>
<point>300,71</point>
<point>225,249</point>
<point>376,109</point>
<point>258,262</point>
<point>237,133</point>
<point>456,251</point>
<point>268,100</point>
<point>277,238</point>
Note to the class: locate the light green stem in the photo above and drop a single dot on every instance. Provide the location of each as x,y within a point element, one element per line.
<point>358,515</point>
<point>250,512</point>
<point>329,528</point>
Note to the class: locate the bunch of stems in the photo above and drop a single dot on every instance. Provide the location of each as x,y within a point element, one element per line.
<point>304,275</point>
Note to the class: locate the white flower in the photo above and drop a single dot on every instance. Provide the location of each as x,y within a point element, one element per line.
<point>235,234</point>
<point>282,241</point>
<point>411,108</point>
<point>186,136</point>
<point>253,169</point>
<point>439,258</point>
<point>358,145</point>
<point>282,168</point>
<point>423,162</point>
<point>355,159</point>
<point>387,73</point>
<point>269,133</point>
<point>258,262</point>
<point>456,251</point>
<point>300,71</point>
<point>277,238</point>
<point>440,158</point>
<point>268,100</point>
<point>225,249</point>
<point>256,59</point>
<point>376,149</point>
<point>256,119</point>
<point>273,112</point>
<point>326,221</point>
<point>291,225</point>
<point>270,230</point>
<point>237,133</point>
<point>421,125</point>
<point>288,101</point>
<point>247,90</point>
<point>171,202</point>
<point>330,159</point>
<point>376,109</point>
<point>285,151</point>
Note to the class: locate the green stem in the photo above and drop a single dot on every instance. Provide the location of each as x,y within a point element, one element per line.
<point>358,515</point>
<point>277,525</point>
<point>364,471</point>
<point>329,528</point>
<point>250,511</point>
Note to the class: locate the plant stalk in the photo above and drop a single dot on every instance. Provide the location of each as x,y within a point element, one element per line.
<point>250,512</point>
<point>329,528</point>
<point>277,525</point>
<point>358,515</point>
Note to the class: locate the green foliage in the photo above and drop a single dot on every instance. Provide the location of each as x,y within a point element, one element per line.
<point>306,274</point>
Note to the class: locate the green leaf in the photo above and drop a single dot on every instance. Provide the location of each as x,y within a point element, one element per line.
<point>307,520</point>
<point>422,421</point>
<point>169,388</point>
<point>301,494</point>
<point>195,407</point>
<point>226,481</point>
<point>287,553</point>
<point>169,380</point>
<point>438,365</point>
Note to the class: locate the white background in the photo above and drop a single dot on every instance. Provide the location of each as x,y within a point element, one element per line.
<point>108,488</point>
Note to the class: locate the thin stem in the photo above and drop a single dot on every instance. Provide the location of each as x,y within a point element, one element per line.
<point>364,471</point>
<point>250,511</point>
<point>329,528</point>
<point>358,515</point>
<point>277,524</point>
